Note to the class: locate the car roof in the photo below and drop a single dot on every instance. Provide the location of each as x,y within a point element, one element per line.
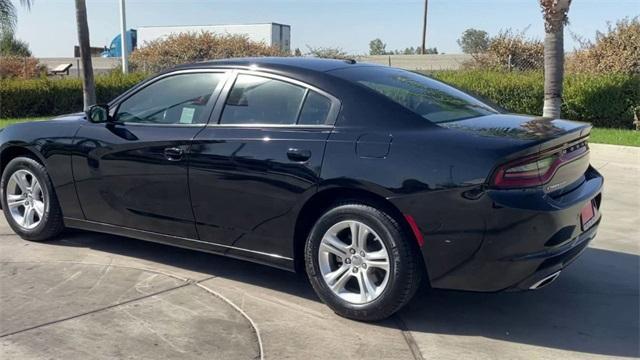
<point>278,63</point>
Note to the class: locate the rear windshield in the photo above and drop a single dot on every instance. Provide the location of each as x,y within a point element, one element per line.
<point>426,97</point>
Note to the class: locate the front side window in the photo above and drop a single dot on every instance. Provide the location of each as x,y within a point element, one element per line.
<point>261,100</point>
<point>177,99</point>
<point>426,97</point>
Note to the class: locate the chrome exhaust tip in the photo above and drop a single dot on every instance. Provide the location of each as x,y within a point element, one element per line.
<point>545,281</point>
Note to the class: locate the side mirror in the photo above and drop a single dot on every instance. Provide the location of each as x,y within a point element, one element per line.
<point>98,113</point>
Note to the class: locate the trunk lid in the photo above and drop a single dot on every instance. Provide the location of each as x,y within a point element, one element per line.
<point>561,144</point>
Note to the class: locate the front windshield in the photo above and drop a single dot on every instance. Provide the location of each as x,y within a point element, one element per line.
<point>426,97</point>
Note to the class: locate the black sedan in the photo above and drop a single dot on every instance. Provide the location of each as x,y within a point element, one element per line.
<point>367,178</point>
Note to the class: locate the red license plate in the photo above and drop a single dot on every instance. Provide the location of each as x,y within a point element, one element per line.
<point>588,215</point>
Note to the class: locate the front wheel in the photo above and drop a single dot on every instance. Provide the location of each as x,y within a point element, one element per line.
<point>361,263</point>
<point>28,200</point>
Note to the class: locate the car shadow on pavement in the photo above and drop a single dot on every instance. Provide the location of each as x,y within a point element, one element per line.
<point>592,308</point>
<point>192,260</point>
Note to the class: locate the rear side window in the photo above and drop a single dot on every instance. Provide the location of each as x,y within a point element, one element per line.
<point>426,97</point>
<point>316,109</point>
<point>261,100</point>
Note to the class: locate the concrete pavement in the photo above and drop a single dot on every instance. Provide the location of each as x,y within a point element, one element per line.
<point>100,296</point>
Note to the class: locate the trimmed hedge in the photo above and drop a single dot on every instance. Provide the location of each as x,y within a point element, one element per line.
<point>45,97</point>
<point>606,100</point>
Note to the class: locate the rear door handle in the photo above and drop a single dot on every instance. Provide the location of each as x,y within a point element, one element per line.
<point>298,154</point>
<point>173,153</point>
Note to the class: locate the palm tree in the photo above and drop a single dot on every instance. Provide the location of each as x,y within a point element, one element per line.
<point>88,83</point>
<point>8,14</point>
<point>555,17</point>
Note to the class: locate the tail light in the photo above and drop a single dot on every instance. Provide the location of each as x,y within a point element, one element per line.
<point>535,170</point>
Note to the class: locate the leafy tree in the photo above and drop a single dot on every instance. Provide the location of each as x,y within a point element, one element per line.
<point>297,52</point>
<point>377,47</point>
<point>474,41</point>
<point>427,51</point>
<point>8,15</point>
<point>409,51</point>
<point>328,52</point>
<point>555,17</point>
<point>10,46</point>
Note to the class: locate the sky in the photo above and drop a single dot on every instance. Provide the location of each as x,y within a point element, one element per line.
<point>50,27</point>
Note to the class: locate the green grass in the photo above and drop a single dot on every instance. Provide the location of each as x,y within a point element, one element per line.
<point>615,137</point>
<point>598,135</point>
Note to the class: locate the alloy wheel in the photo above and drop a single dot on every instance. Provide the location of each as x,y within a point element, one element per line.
<point>25,199</point>
<point>354,262</point>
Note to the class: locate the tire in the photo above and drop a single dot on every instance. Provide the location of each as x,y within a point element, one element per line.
<point>39,199</point>
<point>381,233</point>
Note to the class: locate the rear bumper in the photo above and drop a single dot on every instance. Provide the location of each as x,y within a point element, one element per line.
<point>513,272</point>
<point>557,260</point>
<point>502,240</point>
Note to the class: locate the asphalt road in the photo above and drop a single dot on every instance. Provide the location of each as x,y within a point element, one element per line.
<point>99,296</point>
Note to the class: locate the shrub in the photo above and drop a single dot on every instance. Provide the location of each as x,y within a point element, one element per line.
<point>510,50</point>
<point>519,92</point>
<point>184,48</point>
<point>606,100</point>
<point>20,67</point>
<point>44,97</point>
<point>617,50</point>
<point>327,52</point>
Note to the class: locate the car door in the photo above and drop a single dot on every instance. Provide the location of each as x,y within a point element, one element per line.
<point>260,155</point>
<point>133,172</point>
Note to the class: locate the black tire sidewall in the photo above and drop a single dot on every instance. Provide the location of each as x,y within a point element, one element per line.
<point>393,239</point>
<point>41,175</point>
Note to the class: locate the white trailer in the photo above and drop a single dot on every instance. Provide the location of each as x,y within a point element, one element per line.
<point>272,34</point>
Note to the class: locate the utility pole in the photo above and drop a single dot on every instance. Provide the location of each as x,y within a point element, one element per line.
<point>423,50</point>
<point>123,38</point>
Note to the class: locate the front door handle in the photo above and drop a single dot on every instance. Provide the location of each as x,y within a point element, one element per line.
<point>298,154</point>
<point>173,153</point>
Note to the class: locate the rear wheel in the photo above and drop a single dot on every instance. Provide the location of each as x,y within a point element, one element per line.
<point>360,262</point>
<point>28,200</point>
